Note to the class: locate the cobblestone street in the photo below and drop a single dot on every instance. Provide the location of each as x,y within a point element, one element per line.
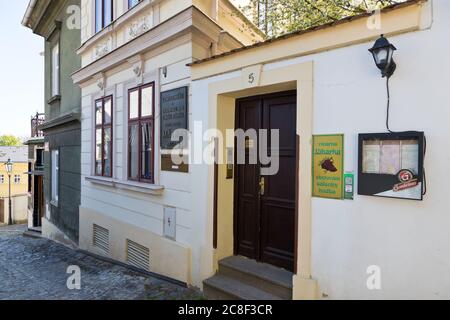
<point>36,269</point>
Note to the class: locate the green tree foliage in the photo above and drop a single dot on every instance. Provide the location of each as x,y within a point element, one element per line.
<point>276,17</point>
<point>10,141</point>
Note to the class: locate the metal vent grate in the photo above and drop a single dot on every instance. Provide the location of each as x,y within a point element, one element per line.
<point>101,238</point>
<point>138,256</point>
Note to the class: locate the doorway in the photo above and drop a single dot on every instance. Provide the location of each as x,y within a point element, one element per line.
<point>265,206</point>
<point>38,201</point>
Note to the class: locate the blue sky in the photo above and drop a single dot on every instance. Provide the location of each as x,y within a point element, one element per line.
<point>21,70</point>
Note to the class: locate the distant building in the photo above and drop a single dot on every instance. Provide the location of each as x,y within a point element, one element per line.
<point>19,183</point>
<point>62,127</point>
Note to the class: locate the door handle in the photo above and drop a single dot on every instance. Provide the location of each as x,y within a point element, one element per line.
<point>262,186</point>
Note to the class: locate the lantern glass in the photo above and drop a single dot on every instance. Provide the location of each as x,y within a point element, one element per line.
<point>383,53</point>
<point>9,166</point>
<point>381,56</point>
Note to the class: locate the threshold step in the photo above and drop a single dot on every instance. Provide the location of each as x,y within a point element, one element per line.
<point>222,287</point>
<point>32,234</point>
<point>264,271</point>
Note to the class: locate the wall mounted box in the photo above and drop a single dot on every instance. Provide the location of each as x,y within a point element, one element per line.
<point>391,165</point>
<point>170,222</point>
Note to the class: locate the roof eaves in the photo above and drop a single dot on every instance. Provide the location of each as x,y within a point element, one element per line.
<point>305,31</point>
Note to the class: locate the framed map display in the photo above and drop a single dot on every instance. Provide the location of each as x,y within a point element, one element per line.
<point>391,165</point>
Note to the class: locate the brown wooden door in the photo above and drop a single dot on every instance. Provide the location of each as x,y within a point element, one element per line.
<point>265,219</point>
<point>41,200</point>
<point>2,211</point>
<point>38,201</point>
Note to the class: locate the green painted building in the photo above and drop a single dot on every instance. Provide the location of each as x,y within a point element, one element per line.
<point>58,23</point>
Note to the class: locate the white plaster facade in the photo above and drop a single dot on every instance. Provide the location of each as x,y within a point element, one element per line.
<point>152,42</point>
<point>341,91</point>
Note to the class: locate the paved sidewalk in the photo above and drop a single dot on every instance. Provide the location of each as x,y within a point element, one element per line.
<point>36,269</point>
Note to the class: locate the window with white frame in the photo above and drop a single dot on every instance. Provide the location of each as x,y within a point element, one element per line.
<point>103,14</point>
<point>132,3</point>
<point>55,175</point>
<point>2,179</point>
<point>17,178</point>
<point>55,70</point>
<point>103,137</point>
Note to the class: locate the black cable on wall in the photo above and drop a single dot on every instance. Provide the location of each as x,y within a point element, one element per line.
<point>388,92</point>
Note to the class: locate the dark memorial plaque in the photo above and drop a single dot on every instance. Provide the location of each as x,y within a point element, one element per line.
<point>174,115</point>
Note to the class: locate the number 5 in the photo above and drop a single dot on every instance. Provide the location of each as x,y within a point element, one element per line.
<point>251,78</point>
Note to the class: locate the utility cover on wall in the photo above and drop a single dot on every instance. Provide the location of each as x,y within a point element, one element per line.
<point>170,222</point>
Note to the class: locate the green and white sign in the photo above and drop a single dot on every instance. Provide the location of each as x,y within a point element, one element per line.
<point>349,186</point>
<point>328,166</point>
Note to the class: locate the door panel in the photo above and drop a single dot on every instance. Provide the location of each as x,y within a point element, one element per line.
<point>36,203</point>
<point>247,177</point>
<point>278,201</point>
<point>266,223</point>
<point>276,237</point>
<point>41,201</point>
<point>2,211</point>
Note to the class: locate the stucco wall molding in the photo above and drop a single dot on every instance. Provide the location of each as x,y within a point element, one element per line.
<point>182,24</point>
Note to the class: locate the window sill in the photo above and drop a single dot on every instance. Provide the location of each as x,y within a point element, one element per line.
<point>127,185</point>
<point>54,99</point>
<point>54,203</point>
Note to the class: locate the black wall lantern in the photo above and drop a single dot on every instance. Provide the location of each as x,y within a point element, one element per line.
<point>383,52</point>
<point>386,170</point>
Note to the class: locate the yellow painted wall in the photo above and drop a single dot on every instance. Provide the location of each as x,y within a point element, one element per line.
<point>169,8</point>
<point>225,213</point>
<point>16,189</point>
<point>234,22</point>
<point>206,6</point>
<point>221,95</point>
<point>168,258</point>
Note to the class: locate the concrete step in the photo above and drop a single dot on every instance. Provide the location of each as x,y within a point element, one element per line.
<point>262,276</point>
<point>32,234</point>
<point>222,287</point>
